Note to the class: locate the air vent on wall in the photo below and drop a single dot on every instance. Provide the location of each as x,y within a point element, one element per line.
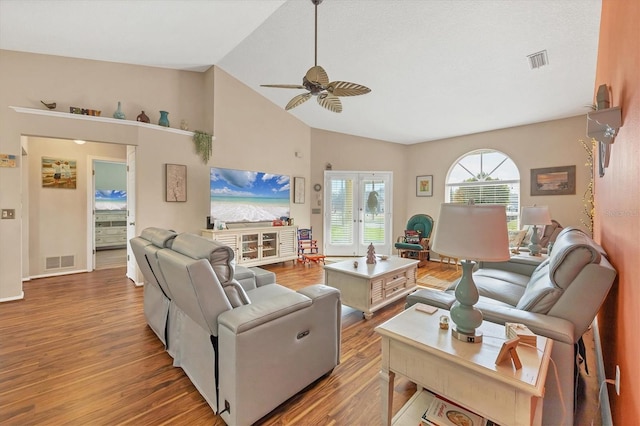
<point>57,262</point>
<point>538,59</point>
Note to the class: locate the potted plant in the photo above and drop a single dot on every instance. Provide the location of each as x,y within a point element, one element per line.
<point>203,145</point>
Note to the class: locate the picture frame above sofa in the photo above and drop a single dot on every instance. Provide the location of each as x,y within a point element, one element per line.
<point>553,181</point>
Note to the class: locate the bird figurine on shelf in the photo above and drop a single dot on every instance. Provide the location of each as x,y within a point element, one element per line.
<point>51,105</point>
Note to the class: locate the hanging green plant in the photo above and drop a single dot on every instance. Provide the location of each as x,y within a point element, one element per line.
<point>203,145</point>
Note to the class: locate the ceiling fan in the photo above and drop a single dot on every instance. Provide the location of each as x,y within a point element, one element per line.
<point>316,82</point>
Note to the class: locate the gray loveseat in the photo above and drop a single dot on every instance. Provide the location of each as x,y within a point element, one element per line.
<point>246,346</point>
<point>558,299</point>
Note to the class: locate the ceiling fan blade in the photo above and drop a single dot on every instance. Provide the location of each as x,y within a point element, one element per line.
<point>284,86</point>
<point>317,74</point>
<point>344,88</point>
<point>330,102</point>
<point>298,100</point>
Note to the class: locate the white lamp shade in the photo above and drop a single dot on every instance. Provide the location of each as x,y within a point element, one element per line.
<point>535,215</point>
<point>472,232</point>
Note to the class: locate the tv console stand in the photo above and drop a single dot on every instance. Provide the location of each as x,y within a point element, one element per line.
<point>258,246</point>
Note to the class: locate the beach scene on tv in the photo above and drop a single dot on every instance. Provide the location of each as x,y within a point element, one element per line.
<point>247,196</point>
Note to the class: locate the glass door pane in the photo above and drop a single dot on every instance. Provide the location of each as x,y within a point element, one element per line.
<point>269,244</point>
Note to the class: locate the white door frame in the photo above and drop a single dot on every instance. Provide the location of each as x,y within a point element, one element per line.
<point>91,191</point>
<point>358,247</point>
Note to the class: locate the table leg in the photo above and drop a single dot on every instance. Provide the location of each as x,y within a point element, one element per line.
<point>386,390</point>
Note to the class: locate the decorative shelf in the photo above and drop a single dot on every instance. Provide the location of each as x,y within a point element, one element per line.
<point>603,124</point>
<point>24,110</point>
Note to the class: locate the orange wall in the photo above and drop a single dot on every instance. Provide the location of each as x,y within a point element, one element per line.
<point>617,212</point>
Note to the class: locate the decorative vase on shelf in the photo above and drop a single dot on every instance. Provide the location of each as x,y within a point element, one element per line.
<point>164,119</point>
<point>142,117</point>
<point>119,114</point>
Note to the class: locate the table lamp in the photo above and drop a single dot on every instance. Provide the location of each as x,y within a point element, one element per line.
<point>472,233</point>
<point>535,215</point>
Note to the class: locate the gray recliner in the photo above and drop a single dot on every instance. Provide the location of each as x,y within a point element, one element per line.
<point>157,296</point>
<point>558,299</point>
<point>246,350</point>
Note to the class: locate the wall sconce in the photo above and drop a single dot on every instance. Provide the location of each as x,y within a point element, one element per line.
<point>603,124</point>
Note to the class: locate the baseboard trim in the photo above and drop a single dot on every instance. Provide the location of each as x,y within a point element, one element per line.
<point>13,298</point>
<point>605,405</point>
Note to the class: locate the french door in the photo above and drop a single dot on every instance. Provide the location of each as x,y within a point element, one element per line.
<point>357,212</point>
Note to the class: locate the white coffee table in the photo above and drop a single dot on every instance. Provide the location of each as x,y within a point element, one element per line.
<point>369,287</point>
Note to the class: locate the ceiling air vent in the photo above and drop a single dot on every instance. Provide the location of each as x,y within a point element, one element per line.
<point>538,59</point>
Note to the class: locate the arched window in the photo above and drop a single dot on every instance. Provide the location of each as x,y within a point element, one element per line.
<point>486,177</point>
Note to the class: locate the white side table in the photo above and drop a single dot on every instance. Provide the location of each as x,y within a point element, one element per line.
<point>414,346</point>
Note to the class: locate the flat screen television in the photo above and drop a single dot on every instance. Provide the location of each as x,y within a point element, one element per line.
<point>248,196</point>
<point>111,199</point>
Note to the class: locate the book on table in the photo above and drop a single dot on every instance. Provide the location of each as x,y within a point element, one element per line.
<point>442,412</point>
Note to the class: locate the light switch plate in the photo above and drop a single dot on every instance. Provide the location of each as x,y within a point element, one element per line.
<point>8,213</point>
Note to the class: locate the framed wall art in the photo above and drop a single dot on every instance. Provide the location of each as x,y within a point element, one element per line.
<point>424,186</point>
<point>59,173</point>
<point>176,183</point>
<point>553,181</point>
<point>298,190</point>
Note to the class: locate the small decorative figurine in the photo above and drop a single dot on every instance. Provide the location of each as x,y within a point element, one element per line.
<point>371,254</point>
<point>164,119</point>
<point>142,117</point>
<point>51,105</point>
<point>119,114</point>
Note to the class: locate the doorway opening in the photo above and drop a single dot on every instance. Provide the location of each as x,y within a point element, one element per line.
<point>109,213</point>
<point>357,212</point>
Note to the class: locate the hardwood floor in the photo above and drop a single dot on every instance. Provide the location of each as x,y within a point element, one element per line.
<point>77,351</point>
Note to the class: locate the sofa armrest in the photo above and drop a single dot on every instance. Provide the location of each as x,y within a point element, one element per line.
<point>246,317</point>
<point>543,325</point>
<point>437,298</point>
<point>554,328</point>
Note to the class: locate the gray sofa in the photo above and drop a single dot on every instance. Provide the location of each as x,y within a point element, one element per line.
<point>158,309</point>
<point>558,299</point>
<point>247,345</point>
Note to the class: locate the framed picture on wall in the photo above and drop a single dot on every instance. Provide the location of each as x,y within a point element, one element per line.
<point>176,183</point>
<point>424,186</point>
<point>553,181</point>
<point>59,173</point>
<point>298,190</point>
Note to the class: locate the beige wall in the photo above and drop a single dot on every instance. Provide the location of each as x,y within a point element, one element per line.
<point>352,153</point>
<point>552,143</point>
<point>58,216</point>
<point>251,133</point>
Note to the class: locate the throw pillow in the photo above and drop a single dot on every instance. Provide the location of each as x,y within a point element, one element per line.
<point>412,237</point>
<point>516,237</point>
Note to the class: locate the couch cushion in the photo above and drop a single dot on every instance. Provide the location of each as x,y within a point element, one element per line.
<point>541,294</point>
<point>219,256</point>
<point>571,252</point>
<point>503,286</point>
<point>409,246</point>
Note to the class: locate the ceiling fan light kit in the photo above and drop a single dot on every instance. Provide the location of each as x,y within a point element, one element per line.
<point>316,82</point>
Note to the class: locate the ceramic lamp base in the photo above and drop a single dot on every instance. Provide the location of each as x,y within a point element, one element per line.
<point>476,337</point>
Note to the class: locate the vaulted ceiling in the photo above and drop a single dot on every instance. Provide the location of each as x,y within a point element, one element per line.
<point>436,68</point>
